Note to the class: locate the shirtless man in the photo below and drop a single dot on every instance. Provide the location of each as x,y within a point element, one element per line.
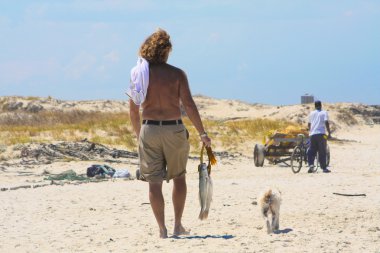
<point>163,144</point>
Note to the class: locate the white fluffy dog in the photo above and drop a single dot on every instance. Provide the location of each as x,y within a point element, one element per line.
<point>269,203</point>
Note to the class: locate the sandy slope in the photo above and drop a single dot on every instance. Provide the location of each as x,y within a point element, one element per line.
<point>217,109</point>
<point>115,216</point>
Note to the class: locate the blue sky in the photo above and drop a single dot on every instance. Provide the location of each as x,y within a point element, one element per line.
<point>257,51</point>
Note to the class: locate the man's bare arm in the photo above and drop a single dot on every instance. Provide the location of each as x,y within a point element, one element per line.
<point>134,114</point>
<point>191,109</point>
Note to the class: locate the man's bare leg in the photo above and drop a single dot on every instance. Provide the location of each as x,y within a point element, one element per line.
<point>179,199</point>
<point>158,206</point>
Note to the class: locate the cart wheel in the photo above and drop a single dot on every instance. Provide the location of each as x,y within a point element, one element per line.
<point>296,159</point>
<point>258,155</point>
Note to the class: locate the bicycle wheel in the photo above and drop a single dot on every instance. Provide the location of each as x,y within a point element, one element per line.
<point>296,159</point>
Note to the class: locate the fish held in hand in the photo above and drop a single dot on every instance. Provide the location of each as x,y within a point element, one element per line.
<point>205,190</point>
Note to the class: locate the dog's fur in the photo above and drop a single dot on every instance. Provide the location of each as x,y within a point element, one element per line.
<point>269,203</point>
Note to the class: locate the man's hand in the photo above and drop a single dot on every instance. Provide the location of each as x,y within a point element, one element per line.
<point>206,140</point>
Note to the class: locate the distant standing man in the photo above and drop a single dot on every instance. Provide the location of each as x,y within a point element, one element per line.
<point>159,88</point>
<point>318,123</point>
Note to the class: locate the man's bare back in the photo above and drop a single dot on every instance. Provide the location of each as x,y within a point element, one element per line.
<point>168,86</point>
<point>163,96</point>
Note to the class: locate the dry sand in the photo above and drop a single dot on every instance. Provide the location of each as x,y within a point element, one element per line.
<point>115,216</point>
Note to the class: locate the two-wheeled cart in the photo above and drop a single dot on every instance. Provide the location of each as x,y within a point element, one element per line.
<point>289,149</point>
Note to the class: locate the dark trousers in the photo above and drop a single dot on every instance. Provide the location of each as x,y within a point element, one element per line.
<point>317,144</point>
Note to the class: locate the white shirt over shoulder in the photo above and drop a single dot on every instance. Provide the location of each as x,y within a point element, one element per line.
<point>317,119</point>
<point>138,87</point>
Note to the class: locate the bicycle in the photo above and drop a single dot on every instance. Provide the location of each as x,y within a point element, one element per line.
<point>299,155</point>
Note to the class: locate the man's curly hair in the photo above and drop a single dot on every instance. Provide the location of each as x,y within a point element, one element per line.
<point>156,47</point>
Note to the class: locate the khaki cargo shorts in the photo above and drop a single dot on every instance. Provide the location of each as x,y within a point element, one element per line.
<point>163,152</point>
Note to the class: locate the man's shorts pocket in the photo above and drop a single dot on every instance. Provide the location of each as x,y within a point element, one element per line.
<point>181,133</point>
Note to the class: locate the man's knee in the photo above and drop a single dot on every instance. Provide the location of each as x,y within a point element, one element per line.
<point>155,186</point>
<point>181,178</point>
<point>180,182</point>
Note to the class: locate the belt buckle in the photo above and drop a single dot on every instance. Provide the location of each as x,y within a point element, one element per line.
<point>160,123</point>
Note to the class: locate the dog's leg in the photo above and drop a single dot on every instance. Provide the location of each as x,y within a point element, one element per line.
<point>277,226</point>
<point>269,228</point>
<point>264,211</point>
<point>274,220</point>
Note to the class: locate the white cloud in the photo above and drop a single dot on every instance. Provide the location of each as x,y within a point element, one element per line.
<point>80,65</point>
<point>109,59</point>
<point>214,37</point>
<point>242,67</point>
<point>100,26</point>
<point>101,69</point>
<point>112,57</point>
<point>14,72</point>
<point>348,13</point>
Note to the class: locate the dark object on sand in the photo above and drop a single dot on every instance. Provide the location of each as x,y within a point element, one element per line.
<point>66,175</point>
<point>97,169</point>
<point>350,195</point>
<point>34,154</point>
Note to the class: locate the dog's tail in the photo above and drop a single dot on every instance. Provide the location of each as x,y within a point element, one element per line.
<point>265,200</point>
<point>268,196</point>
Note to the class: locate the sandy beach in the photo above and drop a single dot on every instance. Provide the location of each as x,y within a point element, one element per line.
<point>87,87</point>
<point>115,215</point>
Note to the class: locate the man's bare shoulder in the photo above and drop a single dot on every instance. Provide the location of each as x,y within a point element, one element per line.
<point>175,69</point>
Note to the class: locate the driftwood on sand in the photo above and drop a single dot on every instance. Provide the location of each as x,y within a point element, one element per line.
<point>43,153</point>
<point>350,195</point>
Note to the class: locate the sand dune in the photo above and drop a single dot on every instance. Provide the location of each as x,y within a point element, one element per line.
<point>221,109</point>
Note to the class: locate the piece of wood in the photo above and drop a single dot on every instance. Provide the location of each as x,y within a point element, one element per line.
<point>350,195</point>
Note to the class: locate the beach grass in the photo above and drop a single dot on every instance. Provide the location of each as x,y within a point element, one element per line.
<point>105,128</point>
<point>115,129</point>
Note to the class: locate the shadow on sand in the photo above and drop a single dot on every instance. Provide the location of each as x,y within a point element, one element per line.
<point>283,231</point>
<point>226,237</point>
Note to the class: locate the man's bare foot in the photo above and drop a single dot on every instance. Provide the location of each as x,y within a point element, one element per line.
<point>163,233</point>
<point>180,230</point>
